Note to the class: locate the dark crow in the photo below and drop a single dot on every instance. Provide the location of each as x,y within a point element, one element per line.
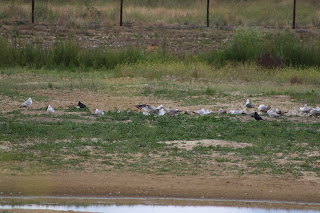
<point>257,116</point>
<point>81,105</point>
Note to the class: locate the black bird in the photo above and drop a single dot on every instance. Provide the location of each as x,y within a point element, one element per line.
<point>257,116</point>
<point>81,105</point>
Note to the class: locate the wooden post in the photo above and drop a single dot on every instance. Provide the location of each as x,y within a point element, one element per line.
<point>208,1</point>
<point>32,11</point>
<point>121,5</point>
<point>294,14</point>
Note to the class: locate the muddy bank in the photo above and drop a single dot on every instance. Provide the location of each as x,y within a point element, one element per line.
<point>117,184</point>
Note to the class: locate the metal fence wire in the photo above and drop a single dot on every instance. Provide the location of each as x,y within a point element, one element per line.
<point>207,16</point>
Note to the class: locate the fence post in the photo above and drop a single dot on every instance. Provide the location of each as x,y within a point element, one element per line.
<point>121,5</point>
<point>208,1</point>
<point>294,14</point>
<point>32,12</point>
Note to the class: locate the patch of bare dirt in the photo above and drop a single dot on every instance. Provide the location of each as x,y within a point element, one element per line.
<point>189,145</point>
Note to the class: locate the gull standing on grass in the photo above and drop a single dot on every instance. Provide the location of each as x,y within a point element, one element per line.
<point>51,110</point>
<point>248,104</point>
<point>27,103</point>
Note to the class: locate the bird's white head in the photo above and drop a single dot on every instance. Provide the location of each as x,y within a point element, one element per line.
<point>159,107</point>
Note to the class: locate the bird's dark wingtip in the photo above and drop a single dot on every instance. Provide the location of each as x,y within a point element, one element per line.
<point>140,106</point>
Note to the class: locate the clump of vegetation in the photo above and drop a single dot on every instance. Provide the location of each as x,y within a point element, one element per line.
<point>64,55</point>
<point>248,45</point>
<point>268,50</point>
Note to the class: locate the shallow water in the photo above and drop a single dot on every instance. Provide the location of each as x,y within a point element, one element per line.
<point>154,209</point>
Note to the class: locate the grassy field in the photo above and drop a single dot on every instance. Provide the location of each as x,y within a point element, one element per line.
<point>33,141</point>
<point>98,13</point>
<point>111,144</point>
<point>76,52</point>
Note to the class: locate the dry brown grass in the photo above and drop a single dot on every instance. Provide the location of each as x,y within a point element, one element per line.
<point>277,13</point>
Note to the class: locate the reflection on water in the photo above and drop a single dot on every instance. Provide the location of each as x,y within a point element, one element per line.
<point>154,209</point>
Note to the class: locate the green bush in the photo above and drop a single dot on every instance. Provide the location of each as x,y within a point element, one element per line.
<point>247,45</point>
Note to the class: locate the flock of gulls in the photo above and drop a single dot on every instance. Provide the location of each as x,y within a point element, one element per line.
<point>161,110</point>
<point>272,112</point>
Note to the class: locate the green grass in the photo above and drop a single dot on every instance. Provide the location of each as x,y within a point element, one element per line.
<point>130,141</point>
<point>10,156</point>
<point>47,145</point>
<point>213,83</point>
<point>310,97</point>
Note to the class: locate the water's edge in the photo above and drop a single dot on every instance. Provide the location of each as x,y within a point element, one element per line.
<point>151,201</point>
<point>157,198</point>
<point>152,208</point>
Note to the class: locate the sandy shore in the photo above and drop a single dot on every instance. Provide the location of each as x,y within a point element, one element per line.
<point>136,185</point>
